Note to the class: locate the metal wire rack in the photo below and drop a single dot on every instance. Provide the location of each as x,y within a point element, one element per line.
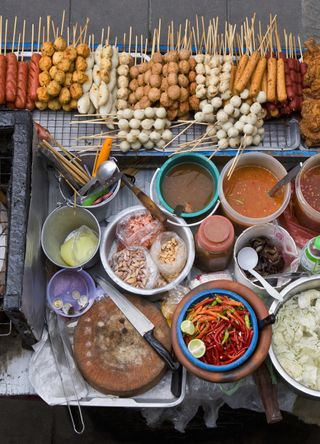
<point>280,134</point>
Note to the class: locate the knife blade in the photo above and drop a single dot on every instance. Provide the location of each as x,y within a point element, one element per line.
<point>286,179</point>
<point>138,320</point>
<point>97,192</point>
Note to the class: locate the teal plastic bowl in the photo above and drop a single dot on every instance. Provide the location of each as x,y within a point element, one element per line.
<point>179,159</point>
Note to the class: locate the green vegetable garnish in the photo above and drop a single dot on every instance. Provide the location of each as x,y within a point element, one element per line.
<point>247,321</point>
<point>225,337</point>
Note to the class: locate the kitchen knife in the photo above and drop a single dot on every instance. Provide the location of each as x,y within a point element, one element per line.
<point>139,321</point>
<point>100,190</point>
<point>286,179</point>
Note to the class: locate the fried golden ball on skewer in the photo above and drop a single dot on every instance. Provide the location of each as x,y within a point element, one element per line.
<point>47,49</point>
<point>60,44</point>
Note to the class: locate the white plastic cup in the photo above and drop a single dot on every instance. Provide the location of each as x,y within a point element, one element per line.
<point>254,159</point>
<point>280,236</point>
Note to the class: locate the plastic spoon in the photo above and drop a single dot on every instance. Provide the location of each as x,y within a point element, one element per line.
<point>104,172</point>
<point>248,260</point>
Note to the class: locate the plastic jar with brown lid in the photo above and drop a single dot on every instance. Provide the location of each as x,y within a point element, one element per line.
<point>214,243</point>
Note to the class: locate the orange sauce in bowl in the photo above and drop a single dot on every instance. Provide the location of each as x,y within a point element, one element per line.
<point>247,192</point>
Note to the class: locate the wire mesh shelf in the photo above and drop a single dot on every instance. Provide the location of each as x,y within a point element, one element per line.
<point>280,135</point>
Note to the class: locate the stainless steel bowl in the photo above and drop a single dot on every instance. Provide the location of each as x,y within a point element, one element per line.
<point>108,238</point>
<point>291,290</point>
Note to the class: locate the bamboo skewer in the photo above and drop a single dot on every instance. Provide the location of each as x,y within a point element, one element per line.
<point>23,37</point>
<point>14,33</point>
<point>5,37</point>
<point>1,34</point>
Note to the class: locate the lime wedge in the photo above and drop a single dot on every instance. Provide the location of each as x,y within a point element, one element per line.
<point>187,327</point>
<point>197,348</point>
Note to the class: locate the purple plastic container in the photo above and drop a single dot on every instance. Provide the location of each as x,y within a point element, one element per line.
<point>71,293</point>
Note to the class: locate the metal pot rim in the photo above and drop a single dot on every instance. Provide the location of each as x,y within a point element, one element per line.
<point>287,293</point>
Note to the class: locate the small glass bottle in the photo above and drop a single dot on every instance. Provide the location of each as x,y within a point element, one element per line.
<point>310,259</point>
<point>214,243</point>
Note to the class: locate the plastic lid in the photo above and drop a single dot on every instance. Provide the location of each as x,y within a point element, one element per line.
<point>317,242</point>
<point>216,234</point>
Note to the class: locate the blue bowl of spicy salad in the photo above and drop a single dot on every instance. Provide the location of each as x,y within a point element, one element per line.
<point>217,330</point>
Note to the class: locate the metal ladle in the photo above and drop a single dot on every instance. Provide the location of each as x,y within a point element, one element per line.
<point>104,172</point>
<point>248,260</point>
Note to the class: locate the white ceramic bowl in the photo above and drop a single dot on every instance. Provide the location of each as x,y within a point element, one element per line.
<point>108,238</point>
<point>292,289</point>
<point>270,231</point>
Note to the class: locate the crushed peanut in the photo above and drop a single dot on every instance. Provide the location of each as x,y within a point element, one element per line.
<point>169,251</point>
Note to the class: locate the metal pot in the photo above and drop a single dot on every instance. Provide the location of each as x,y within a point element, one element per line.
<point>58,225</point>
<point>109,236</point>
<point>291,290</point>
<point>100,210</point>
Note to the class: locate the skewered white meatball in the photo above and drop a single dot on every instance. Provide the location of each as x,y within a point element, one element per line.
<point>226,126</point>
<point>248,129</point>
<point>200,79</point>
<point>200,69</point>
<point>138,114</point>
<point>255,108</point>
<point>161,112</point>
<point>198,117</point>
<point>136,146</point>
<point>127,113</point>
<point>207,109</point>
<point>147,124</point>
<point>245,94</point>
<point>235,101</point>
<point>222,116</point>
<point>239,125</point>
<point>159,124</point>
<point>234,142</point>
<point>149,112</point>
<point>167,135</point>
<point>245,108</point>
<point>216,102</point>
<point>131,138</point>
<point>143,138</point>
<point>228,109</point>
<point>233,132</point>
<point>124,146</point>
<point>256,139</point>
<point>155,136</point>
<point>149,145</point>
<point>199,58</point>
<point>221,134</point>
<point>134,123</point>
<point>223,144</point>
<point>123,124</point>
<point>261,97</point>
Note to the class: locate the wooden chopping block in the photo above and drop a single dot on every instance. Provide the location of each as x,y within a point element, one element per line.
<point>111,354</point>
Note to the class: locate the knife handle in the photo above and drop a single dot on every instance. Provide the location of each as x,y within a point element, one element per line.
<point>161,350</point>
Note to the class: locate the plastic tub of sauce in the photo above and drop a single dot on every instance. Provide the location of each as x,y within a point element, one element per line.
<point>307,201</point>
<point>244,197</point>
<point>189,180</point>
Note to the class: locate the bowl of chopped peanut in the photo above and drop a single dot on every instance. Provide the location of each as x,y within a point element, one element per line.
<point>142,256</point>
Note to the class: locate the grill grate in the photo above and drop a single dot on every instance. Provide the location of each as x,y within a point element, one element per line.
<point>280,134</point>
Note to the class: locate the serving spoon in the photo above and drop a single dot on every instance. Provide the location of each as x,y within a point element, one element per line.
<point>104,172</point>
<point>248,260</point>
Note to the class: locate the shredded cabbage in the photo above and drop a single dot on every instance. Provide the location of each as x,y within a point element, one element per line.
<point>296,338</point>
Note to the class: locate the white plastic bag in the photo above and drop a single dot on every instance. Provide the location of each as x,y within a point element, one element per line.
<point>169,253</point>
<point>135,266</point>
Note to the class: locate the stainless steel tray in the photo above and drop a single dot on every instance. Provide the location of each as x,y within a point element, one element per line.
<point>161,395</point>
<point>280,135</point>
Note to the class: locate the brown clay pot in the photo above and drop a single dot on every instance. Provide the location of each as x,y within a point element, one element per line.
<point>264,341</point>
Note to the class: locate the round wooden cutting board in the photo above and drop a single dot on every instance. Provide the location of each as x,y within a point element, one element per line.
<point>111,354</point>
